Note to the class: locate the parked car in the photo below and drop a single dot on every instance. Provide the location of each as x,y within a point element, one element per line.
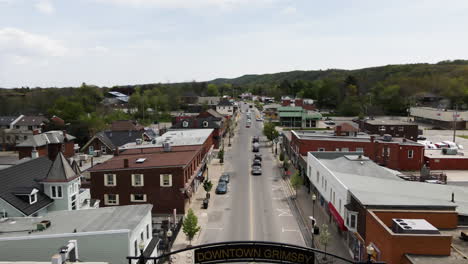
<point>421,138</point>
<point>255,147</point>
<point>225,177</point>
<point>329,123</point>
<point>256,170</point>
<point>257,162</point>
<point>258,156</point>
<point>221,188</point>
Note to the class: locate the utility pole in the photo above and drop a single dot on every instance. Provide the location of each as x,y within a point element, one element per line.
<point>455,122</point>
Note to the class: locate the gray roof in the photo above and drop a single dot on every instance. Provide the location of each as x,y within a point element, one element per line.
<point>225,102</point>
<point>213,122</point>
<point>21,176</point>
<point>43,139</point>
<point>31,121</point>
<point>214,113</point>
<point>60,171</point>
<point>6,120</point>
<point>389,122</point>
<point>90,220</point>
<point>378,187</point>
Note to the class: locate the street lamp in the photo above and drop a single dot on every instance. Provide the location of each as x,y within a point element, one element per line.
<point>313,223</point>
<point>141,246</point>
<point>314,198</point>
<point>370,252</point>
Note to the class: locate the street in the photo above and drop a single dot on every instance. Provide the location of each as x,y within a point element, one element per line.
<point>255,207</point>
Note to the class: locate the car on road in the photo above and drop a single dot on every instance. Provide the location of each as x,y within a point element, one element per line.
<point>255,139</point>
<point>259,119</point>
<point>255,147</point>
<point>221,188</point>
<point>256,170</point>
<point>258,156</point>
<point>224,177</point>
<point>329,123</point>
<point>257,162</point>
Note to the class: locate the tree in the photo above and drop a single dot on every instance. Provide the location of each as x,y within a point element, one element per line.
<point>269,131</point>
<point>221,155</point>
<point>190,226</point>
<point>281,156</point>
<point>207,185</point>
<point>324,238</point>
<point>286,163</point>
<point>212,90</point>
<point>296,181</point>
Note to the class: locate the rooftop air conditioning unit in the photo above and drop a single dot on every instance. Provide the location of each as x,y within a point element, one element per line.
<point>83,157</point>
<point>387,137</point>
<point>413,226</point>
<point>167,146</point>
<point>43,225</point>
<point>449,151</point>
<point>139,141</point>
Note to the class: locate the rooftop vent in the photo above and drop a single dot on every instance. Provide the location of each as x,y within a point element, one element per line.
<point>139,141</point>
<point>413,226</point>
<point>140,160</point>
<point>167,146</point>
<point>43,225</point>
<point>387,137</point>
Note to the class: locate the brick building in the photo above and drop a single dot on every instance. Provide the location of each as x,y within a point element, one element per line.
<point>165,176</point>
<point>394,153</point>
<point>39,144</point>
<point>365,200</point>
<point>395,128</point>
<point>210,122</point>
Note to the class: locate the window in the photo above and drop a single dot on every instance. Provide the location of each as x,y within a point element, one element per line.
<point>392,128</point>
<point>318,177</point>
<point>351,220</point>
<point>321,149</point>
<point>142,235</point>
<point>3,214</point>
<point>387,150</point>
<point>337,149</point>
<point>410,154</point>
<point>110,180</point>
<point>90,150</point>
<point>103,149</point>
<point>334,198</point>
<point>30,127</point>
<point>138,197</point>
<point>185,123</point>
<point>147,232</point>
<point>135,245</point>
<point>17,127</point>
<point>310,171</point>
<point>111,199</point>
<point>360,149</point>
<point>137,180</point>
<point>166,180</point>
<point>25,137</point>
<point>345,149</point>
<point>73,205</point>
<point>401,128</point>
<point>56,191</point>
<point>382,128</point>
<point>339,206</point>
<point>325,185</point>
<point>17,137</point>
<point>205,123</point>
<point>33,198</point>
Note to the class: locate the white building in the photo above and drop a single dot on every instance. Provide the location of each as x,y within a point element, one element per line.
<point>225,107</point>
<point>106,234</point>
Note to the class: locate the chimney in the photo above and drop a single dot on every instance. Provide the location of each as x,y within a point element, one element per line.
<point>53,150</point>
<point>338,130</point>
<point>125,163</point>
<point>453,197</point>
<point>35,132</point>
<point>372,139</point>
<point>64,135</point>
<point>117,151</point>
<point>34,153</point>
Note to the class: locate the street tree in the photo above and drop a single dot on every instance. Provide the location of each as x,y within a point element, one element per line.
<point>190,226</point>
<point>207,185</point>
<point>296,181</point>
<point>221,155</point>
<point>269,131</point>
<point>324,238</point>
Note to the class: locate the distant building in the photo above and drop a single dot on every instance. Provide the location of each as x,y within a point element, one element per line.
<point>209,122</point>
<point>368,203</point>
<point>165,172</point>
<point>307,104</point>
<point>20,129</point>
<point>38,145</point>
<point>395,128</point>
<point>41,185</point>
<point>394,153</point>
<point>270,112</point>
<point>105,234</point>
<point>297,117</point>
<point>209,100</point>
<point>439,117</point>
<point>226,108</point>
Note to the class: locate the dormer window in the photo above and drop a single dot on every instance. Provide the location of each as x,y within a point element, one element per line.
<point>205,123</point>
<point>33,198</point>
<point>185,123</point>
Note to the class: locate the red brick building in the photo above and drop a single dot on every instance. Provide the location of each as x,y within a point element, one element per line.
<point>307,104</point>
<point>165,177</point>
<point>395,128</point>
<point>394,153</point>
<point>44,141</point>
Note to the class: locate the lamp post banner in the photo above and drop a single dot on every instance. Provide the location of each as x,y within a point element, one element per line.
<point>253,252</point>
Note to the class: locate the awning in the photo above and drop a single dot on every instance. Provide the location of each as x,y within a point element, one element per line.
<point>337,216</point>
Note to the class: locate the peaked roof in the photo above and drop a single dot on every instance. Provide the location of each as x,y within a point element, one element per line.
<point>125,125</point>
<point>225,102</point>
<point>114,139</point>
<point>31,121</point>
<point>43,139</point>
<point>214,113</point>
<point>60,171</point>
<point>213,122</point>
<point>76,167</point>
<point>6,120</point>
<point>23,178</point>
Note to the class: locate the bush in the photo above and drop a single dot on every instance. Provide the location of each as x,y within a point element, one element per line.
<point>281,156</point>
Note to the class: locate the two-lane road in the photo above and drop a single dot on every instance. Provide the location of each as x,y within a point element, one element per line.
<point>255,207</point>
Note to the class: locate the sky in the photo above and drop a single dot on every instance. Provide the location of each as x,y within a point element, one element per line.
<point>58,43</point>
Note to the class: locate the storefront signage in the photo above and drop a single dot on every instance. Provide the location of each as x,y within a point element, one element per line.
<point>253,252</point>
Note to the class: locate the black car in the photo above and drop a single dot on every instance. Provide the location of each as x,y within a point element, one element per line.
<point>421,138</point>
<point>329,123</point>
<point>257,163</point>
<point>255,139</point>
<point>258,157</point>
<point>256,170</point>
<point>224,177</point>
<point>221,188</point>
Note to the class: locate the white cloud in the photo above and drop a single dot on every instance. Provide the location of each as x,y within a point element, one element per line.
<point>45,6</point>
<point>17,42</point>
<point>186,4</point>
<point>289,10</point>
<point>99,49</point>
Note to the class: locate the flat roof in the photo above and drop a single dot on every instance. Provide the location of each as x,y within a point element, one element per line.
<point>181,137</point>
<point>178,156</point>
<point>372,185</point>
<point>389,122</point>
<point>437,154</point>
<point>89,220</point>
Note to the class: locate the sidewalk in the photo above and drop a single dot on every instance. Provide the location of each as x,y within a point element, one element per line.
<point>306,208</point>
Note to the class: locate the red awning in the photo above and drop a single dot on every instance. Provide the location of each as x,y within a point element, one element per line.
<point>337,216</point>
